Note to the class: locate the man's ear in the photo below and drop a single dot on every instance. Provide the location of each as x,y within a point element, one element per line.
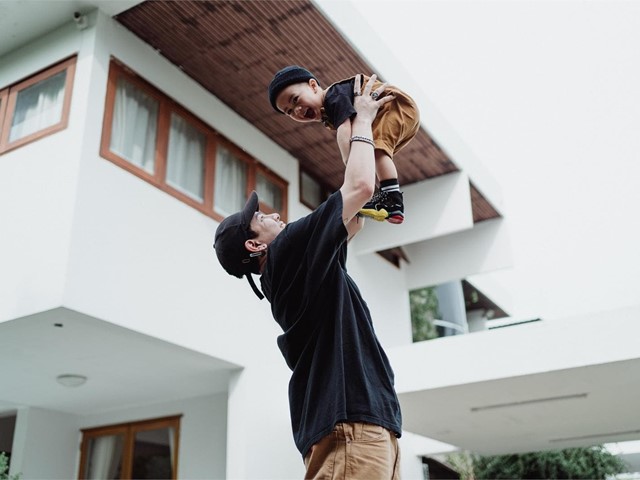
<point>254,245</point>
<point>313,84</point>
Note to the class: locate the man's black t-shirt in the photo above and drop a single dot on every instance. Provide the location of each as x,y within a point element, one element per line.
<point>340,371</point>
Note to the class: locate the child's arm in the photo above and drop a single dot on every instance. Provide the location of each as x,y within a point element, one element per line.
<point>343,135</point>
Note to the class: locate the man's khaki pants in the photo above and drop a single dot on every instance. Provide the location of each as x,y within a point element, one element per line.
<point>355,451</point>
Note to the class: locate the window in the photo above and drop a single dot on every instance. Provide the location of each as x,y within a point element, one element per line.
<point>312,193</point>
<point>151,136</point>
<point>232,178</point>
<point>134,126</point>
<point>270,191</point>
<point>37,106</point>
<point>140,450</point>
<point>186,158</point>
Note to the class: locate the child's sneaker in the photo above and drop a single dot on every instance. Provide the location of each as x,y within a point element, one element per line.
<point>387,206</point>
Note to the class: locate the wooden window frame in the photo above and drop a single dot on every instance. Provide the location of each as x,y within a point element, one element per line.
<point>214,139</point>
<point>9,96</point>
<point>4,95</point>
<point>128,430</point>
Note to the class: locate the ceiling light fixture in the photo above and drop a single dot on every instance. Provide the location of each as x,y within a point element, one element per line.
<point>71,380</point>
<point>529,402</point>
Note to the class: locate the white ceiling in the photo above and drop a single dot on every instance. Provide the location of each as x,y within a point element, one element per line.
<point>22,21</point>
<point>557,409</point>
<point>117,362</point>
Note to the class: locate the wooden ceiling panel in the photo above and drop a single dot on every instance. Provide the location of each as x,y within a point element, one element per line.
<point>232,48</point>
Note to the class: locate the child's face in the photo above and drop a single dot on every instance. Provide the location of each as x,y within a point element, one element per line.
<point>302,101</point>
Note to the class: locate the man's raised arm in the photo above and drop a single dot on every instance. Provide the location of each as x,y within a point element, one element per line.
<point>360,172</point>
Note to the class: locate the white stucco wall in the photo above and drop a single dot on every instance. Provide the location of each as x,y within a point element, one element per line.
<point>45,444</point>
<point>37,188</point>
<point>203,432</point>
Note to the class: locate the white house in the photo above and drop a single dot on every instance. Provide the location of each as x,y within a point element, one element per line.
<point>128,130</point>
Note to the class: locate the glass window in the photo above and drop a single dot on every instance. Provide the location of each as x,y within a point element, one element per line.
<point>153,454</point>
<point>140,450</point>
<point>231,182</point>
<point>151,136</point>
<point>186,158</point>
<point>269,192</point>
<point>104,457</point>
<point>311,193</point>
<point>38,107</point>
<point>134,126</point>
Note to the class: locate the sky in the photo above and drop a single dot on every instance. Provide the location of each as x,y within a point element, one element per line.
<point>546,94</point>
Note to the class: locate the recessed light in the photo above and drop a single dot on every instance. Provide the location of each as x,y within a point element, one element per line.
<point>71,380</point>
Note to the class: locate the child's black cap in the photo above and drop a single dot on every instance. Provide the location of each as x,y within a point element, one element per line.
<point>285,77</point>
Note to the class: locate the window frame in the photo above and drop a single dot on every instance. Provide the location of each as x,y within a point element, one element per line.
<point>128,430</point>
<point>9,95</point>
<point>214,139</point>
<point>4,96</point>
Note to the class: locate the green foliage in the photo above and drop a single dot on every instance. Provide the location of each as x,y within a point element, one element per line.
<point>424,309</point>
<point>461,462</point>
<point>572,463</point>
<point>4,469</point>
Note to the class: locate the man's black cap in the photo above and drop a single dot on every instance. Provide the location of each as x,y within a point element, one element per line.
<point>229,241</point>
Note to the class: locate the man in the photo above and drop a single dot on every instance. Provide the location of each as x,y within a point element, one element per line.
<point>344,410</point>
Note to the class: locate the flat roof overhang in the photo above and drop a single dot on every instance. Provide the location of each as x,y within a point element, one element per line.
<point>123,367</point>
<point>538,386</point>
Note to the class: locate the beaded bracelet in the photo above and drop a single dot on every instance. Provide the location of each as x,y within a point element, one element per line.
<point>359,138</point>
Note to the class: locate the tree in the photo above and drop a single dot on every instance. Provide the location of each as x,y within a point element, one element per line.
<point>424,309</point>
<point>4,469</point>
<point>586,463</point>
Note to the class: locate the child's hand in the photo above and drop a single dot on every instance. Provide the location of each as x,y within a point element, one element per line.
<point>367,103</point>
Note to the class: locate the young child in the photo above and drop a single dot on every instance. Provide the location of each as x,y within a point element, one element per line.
<point>296,92</point>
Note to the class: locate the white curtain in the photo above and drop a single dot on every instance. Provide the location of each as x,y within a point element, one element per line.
<point>231,182</point>
<point>172,448</point>
<point>38,106</point>
<point>268,192</point>
<point>185,158</point>
<point>105,456</point>
<point>134,126</point>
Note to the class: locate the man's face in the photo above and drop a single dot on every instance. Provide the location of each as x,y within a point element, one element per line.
<point>267,226</point>
<point>301,101</point>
